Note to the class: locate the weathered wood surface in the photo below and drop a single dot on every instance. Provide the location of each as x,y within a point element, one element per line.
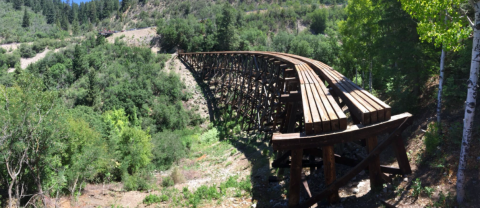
<point>352,133</point>
<point>362,104</point>
<point>332,188</point>
<point>280,94</point>
<point>262,78</point>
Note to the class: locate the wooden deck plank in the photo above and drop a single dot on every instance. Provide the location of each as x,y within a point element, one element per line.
<point>306,110</point>
<point>325,103</point>
<point>373,111</point>
<point>358,110</point>
<point>380,110</point>
<point>326,121</point>
<point>309,109</point>
<point>387,108</point>
<point>355,107</point>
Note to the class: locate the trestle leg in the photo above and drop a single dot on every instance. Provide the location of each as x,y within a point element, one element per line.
<point>295,178</point>
<point>329,170</point>
<point>376,180</point>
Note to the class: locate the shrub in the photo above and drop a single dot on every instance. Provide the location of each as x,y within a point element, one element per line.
<point>208,192</point>
<point>26,51</point>
<point>432,138</point>
<point>167,181</point>
<point>455,133</point>
<point>417,187</point>
<point>209,136</point>
<point>167,148</point>
<point>151,199</point>
<point>177,176</point>
<point>39,46</point>
<point>142,180</point>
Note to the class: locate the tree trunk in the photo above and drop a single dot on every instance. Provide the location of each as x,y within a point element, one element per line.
<point>440,88</point>
<point>469,105</point>
<point>363,79</point>
<point>370,78</point>
<point>356,76</point>
<point>10,188</point>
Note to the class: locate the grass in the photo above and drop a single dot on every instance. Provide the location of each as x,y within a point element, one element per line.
<point>204,194</point>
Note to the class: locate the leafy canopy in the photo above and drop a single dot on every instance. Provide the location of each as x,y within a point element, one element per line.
<point>432,26</point>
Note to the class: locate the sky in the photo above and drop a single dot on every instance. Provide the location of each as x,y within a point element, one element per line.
<point>79,1</point>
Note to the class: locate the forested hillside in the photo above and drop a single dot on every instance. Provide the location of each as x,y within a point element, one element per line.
<point>93,113</point>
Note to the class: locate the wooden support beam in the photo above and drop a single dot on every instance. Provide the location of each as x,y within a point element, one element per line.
<point>295,178</point>
<point>374,166</point>
<point>293,96</point>
<point>353,172</point>
<point>401,154</point>
<point>329,171</point>
<point>352,133</point>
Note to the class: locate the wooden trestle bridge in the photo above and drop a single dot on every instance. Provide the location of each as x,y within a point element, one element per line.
<point>302,105</point>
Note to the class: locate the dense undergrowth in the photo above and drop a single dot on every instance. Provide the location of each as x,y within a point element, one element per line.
<point>99,112</point>
<point>93,121</point>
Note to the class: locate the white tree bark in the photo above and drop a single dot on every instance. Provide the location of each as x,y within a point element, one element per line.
<point>469,105</point>
<point>440,84</point>
<point>440,88</point>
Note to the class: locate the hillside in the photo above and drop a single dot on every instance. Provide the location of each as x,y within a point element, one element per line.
<point>121,121</point>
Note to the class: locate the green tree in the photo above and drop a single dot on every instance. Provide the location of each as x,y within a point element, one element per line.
<point>319,20</point>
<point>49,12</point>
<point>17,4</point>
<point>64,22</point>
<point>85,154</point>
<point>78,64</point>
<point>75,27</point>
<point>449,34</point>
<point>360,31</point>
<point>92,92</point>
<point>26,19</point>
<point>31,123</point>
<point>125,5</point>
<point>227,37</point>
<point>209,40</point>
<point>281,41</point>
<point>134,145</point>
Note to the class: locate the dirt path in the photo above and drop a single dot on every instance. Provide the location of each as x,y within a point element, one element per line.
<point>12,46</point>
<point>141,37</point>
<point>24,62</point>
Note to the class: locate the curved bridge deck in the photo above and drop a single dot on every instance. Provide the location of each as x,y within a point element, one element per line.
<point>303,105</point>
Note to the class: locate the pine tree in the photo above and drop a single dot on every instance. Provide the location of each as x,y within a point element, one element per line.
<point>125,5</point>
<point>226,36</point>
<point>17,4</point>
<point>26,19</point>
<point>29,3</point>
<point>75,27</point>
<point>78,61</point>
<point>64,22</point>
<point>93,12</point>
<point>92,91</point>
<point>49,11</point>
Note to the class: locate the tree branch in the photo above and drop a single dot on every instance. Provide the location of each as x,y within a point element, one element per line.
<point>468,18</point>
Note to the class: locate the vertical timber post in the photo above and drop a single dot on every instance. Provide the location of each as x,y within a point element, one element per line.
<point>295,178</point>
<point>374,166</point>
<point>329,170</point>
